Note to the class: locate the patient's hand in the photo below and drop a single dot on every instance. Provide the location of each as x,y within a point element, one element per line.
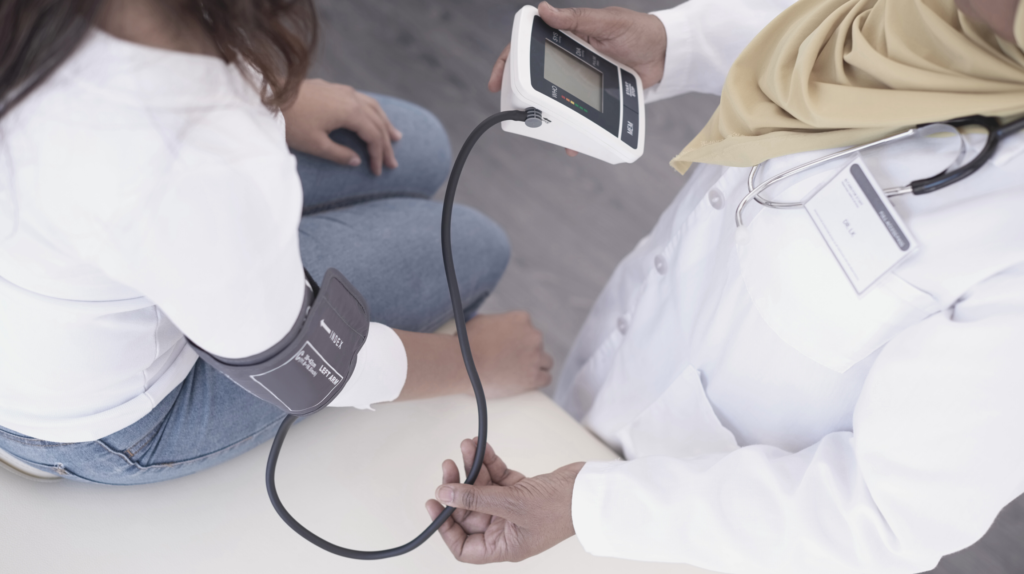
<point>507,349</point>
<point>509,354</point>
<point>322,107</point>
<point>636,39</point>
<point>504,517</point>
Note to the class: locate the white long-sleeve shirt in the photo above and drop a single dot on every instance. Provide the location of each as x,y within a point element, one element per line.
<point>771,419</point>
<point>146,195</point>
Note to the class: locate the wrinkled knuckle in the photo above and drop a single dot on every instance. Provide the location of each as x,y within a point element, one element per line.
<point>467,498</point>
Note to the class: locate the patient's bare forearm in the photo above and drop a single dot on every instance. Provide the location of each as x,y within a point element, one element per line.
<point>435,366</point>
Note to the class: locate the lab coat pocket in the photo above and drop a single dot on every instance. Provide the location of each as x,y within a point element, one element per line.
<point>680,423</point>
<point>803,295</point>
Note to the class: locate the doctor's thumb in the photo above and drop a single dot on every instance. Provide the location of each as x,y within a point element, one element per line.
<point>493,500</point>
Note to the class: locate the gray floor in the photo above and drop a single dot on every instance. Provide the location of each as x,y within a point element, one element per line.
<point>570,220</point>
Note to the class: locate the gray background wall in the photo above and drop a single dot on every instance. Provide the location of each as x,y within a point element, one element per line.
<point>570,220</point>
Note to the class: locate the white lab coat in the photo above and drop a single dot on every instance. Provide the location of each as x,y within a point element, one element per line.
<point>774,421</point>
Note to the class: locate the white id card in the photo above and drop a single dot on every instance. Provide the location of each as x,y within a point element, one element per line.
<point>866,235</point>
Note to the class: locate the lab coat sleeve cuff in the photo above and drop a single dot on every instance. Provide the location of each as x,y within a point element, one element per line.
<point>380,371</point>
<point>704,38</point>
<point>678,54</point>
<point>589,494</point>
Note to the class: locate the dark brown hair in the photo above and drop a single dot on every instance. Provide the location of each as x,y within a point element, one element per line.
<point>276,37</point>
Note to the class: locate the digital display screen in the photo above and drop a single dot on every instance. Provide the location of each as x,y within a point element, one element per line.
<point>569,73</point>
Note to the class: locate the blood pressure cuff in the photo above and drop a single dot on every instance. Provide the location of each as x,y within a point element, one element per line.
<point>309,367</point>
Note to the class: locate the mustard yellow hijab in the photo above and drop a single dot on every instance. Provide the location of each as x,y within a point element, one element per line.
<point>835,73</point>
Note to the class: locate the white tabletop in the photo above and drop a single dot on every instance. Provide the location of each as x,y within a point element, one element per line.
<point>356,478</point>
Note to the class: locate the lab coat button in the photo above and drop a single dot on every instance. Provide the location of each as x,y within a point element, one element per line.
<point>623,325</point>
<point>715,199</point>
<point>660,265</point>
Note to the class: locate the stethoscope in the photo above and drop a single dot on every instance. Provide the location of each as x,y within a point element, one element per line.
<point>918,187</point>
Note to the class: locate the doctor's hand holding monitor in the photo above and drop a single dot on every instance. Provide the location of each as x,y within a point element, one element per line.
<point>634,39</point>
<point>810,364</point>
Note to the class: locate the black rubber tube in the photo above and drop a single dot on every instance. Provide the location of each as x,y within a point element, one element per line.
<point>923,186</point>
<point>467,357</point>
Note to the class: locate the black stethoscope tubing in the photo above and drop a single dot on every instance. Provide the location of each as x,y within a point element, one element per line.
<point>996,134</point>
<point>935,183</point>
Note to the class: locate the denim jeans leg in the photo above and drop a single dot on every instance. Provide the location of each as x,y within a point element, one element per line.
<point>402,275</point>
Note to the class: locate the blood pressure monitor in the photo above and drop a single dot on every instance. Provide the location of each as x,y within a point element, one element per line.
<point>590,103</point>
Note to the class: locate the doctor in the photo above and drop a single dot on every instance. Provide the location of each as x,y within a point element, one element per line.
<point>774,414</point>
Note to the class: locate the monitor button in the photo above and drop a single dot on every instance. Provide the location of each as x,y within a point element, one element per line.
<point>629,97</point>
<point>630,127</point>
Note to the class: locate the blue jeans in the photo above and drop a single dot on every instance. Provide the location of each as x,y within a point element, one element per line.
<point>382,233</point>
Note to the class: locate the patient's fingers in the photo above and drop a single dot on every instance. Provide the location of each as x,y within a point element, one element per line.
<point>388,132</point>
<point>372,128</point>
<point>369,131</point>
<point>333,151</point>
<point>392,130</point>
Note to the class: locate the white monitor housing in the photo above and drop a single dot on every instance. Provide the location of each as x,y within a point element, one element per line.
<point>591,103</point>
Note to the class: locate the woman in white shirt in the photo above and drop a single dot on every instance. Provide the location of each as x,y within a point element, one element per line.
<point>148,194</point>
<point>774,417</point>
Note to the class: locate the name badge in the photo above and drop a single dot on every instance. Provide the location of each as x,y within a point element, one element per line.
<point>860,226</point>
